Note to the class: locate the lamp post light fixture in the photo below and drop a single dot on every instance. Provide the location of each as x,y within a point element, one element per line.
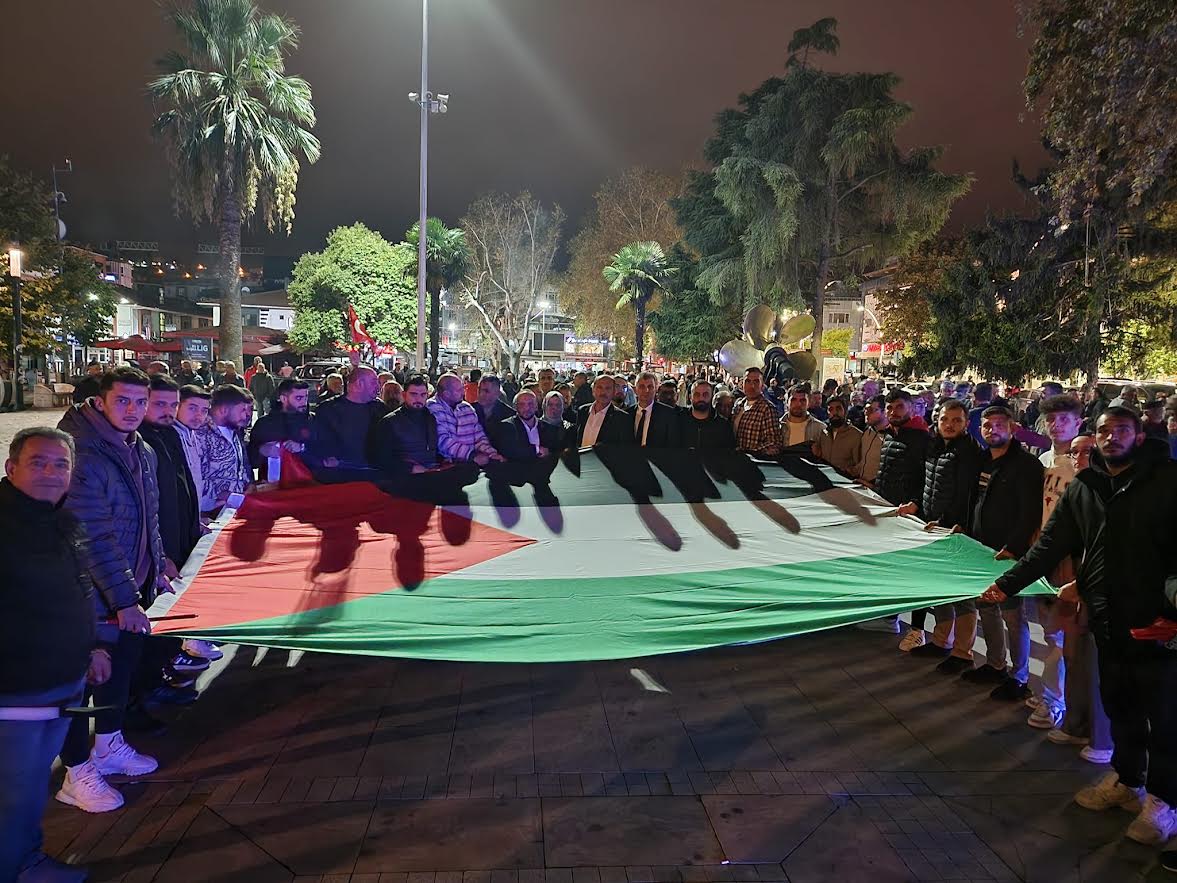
<point>429,103</point>
<point>16,272</point>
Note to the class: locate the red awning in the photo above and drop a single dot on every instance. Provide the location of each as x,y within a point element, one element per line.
<point>139,344</point>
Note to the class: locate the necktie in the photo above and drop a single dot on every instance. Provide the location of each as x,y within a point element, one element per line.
<point>637,434</point>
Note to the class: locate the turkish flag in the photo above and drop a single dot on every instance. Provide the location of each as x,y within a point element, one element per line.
<point>359,334</point>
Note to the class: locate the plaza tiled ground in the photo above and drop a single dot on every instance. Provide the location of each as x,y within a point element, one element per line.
<point>12,423</point>
<point>830,757</point>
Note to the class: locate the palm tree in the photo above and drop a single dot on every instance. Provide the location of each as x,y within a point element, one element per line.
<point>638,270</point>
<point>235,128</point>
<point>447,258</point>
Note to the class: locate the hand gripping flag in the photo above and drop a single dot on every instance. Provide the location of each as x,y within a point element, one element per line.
<point>602,554</point>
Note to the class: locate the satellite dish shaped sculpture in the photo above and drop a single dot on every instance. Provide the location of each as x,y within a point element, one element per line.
<point>763,345</point>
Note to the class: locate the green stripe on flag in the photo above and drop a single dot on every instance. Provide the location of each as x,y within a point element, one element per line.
<point>579,617</point>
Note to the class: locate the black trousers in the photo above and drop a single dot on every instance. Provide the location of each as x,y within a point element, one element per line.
<point>1138,685</point>
<point>124,659</point>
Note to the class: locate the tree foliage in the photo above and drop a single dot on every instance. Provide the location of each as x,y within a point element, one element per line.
<point>637,271</point>
<point>359,267</point>
<point>687,326</point>
<point>1104,73</point>
<point>62,293</point>
<point>447,258</point>
<point>904,306</point>
<point>513,243</point>
<point>632,207</point>
<point>808,185</point>
<point>236,129</point>
<point>836,342</point>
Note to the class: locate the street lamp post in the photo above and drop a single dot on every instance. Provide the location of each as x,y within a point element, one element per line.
<point>15,271</point>
<point>428,104</point>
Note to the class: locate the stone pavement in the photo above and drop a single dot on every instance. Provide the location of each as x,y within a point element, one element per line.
<point>13,422</point>
<point>830,757</point>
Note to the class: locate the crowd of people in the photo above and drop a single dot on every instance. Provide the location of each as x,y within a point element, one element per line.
<point>100,514</point>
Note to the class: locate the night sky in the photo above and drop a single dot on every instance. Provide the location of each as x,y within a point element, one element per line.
<point>549,95</point>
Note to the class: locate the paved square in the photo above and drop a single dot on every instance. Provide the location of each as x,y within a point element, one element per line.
<point>830,757</point>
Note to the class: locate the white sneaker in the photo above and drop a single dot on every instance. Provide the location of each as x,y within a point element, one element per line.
<point>202,649</point>
<point>1155,824</point>
<point>1109,792</point>
<point>121,758</point>
<point>1096,755</point>
<point>85,788</point>
<point>888,625</point>
<point>1061,737</point>
<point>914,638</point>
<point>1046,717</point>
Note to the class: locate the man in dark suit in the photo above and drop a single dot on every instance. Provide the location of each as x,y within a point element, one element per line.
<point>655,425</point>
<point>602,422</point>
<point>490,407</point>
<point>524,436</point>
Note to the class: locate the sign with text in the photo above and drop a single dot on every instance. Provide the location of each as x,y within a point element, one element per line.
<point>197,348</point>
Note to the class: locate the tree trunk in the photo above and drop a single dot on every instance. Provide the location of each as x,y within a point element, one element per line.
<point>434,328</point>
<point>819,297</point>
<point>639,329</point>
<point>229,237</point>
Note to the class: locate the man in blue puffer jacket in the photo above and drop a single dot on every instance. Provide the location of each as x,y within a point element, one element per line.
<point>114,496</point>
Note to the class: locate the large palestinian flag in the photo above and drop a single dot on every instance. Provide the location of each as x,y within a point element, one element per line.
<point>605,554</point>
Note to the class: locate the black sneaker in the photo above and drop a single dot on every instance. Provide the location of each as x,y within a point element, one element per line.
<point>183,663</point>
<point>172,696</point>
<point>1010,691</point>
<point>954,665</point>
<point>986,674</point>
<point>1169,860</point>
<point>929,651</point>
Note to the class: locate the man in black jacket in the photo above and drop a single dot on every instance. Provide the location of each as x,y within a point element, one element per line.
<point>490,407</point>
<point>700,426</point>
<point>289,428</point>
<point>179,499</point>
<point>113,494</point>
<point>1006,517</point>
<point>1119,518</point>
<point>524,436</point>
<point>951,471</point>
<point>655,425</point>
<point>901,462</point>
<point>49,642</point>
<point>900,480</point>
<point>602,422</point>
<point>405,441</point>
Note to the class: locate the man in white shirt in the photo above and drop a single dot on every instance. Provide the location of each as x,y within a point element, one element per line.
<point>602,422</point>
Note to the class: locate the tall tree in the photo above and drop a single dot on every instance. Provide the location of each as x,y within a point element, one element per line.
<point>360,268</point>
<point>686,324</point>
<point>63,294</point>
<point>637,271</point>
<point>236,129</point>
<point>447,258</point>
<point>1104,74</point>
<point>808,184</point>
<point>513,242</point>
<point>632,207</point>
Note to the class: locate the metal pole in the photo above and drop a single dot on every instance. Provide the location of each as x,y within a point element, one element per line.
<point>18,379</point>
<point>422,228</point>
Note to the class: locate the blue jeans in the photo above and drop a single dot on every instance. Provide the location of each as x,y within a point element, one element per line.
<point>27,750</point>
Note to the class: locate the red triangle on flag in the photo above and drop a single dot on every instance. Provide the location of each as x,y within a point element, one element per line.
<point>290,551</point>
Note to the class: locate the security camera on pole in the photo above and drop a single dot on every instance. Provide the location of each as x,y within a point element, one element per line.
<point>429,103</point>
